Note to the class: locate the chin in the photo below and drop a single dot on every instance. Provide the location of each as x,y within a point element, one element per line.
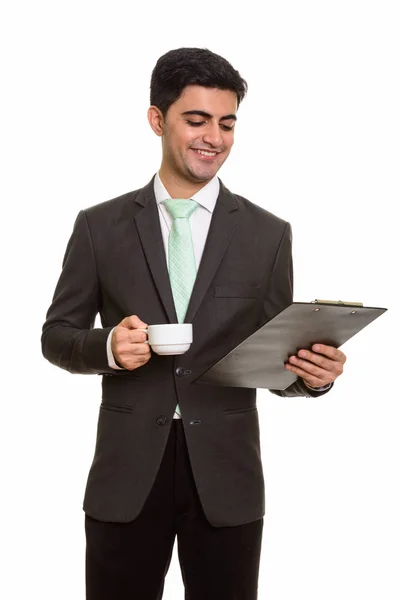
<point>201,175</point>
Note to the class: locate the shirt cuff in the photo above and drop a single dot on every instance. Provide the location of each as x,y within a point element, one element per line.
<point>110,356</point>
<point>321,388</point>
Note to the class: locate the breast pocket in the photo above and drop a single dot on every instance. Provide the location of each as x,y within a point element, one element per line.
<point>237,307</point>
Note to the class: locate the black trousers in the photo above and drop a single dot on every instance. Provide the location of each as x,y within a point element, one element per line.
<point>129,561</point>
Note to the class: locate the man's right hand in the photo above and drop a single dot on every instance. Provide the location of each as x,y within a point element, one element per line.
<point>128,345</point>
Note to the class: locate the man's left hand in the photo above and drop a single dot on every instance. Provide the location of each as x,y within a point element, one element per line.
<point>319,366</point>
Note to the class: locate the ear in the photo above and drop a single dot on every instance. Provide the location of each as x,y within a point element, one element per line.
<point>156,120</point>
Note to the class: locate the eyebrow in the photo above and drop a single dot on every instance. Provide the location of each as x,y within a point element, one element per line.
<point>201,113</point>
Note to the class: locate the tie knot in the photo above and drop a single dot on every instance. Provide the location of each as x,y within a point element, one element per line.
<point>180,209</point>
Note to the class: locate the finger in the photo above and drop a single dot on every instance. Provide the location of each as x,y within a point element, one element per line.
<point>123,335</point>
<point>330,352</point>
<point>133,322</point>
<point>135,336</point>
<point>312,380</point>
<point>136,362</point>
<point>138,356</point>
<point>138,349</point>
<point>309,368</point>
<point>320,360</point>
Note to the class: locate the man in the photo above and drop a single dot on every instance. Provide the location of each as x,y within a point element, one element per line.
<point>176,458</point>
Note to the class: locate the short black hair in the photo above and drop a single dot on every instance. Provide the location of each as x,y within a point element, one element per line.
<point>192,66</point>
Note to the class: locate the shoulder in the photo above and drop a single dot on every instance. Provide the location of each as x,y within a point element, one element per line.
<point>122,207</point>
<point>259,212</point>
<point>110,213</point>
<point>252,210</point>
<point>111,207</point>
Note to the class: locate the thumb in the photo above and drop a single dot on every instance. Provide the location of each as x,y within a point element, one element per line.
<point>133,322</point>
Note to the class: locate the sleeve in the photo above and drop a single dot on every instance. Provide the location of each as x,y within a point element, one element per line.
<point>279,296</point>
<point>69,340</point>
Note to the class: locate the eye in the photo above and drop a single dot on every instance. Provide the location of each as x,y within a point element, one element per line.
<point>200,123</point>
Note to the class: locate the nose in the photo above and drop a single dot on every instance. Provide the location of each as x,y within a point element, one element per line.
<point>212,135</point>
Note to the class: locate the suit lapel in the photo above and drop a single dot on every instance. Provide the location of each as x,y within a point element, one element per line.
<point>149,230</point>
<point>222,226</point>
<point>223,223</point>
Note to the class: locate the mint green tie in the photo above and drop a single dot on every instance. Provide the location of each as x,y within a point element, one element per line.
<point>181,260</point>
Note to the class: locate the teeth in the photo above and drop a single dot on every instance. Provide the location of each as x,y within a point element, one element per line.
<point>205,153</point>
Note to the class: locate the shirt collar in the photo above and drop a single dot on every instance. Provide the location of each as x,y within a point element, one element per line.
<point>207,196</point>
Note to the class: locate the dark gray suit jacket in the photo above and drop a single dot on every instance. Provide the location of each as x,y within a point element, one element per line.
<point>115,265</point>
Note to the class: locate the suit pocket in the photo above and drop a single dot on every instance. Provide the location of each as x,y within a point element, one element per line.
<point>235,411</point>
<point>237,290</point>
<point>122,408</point>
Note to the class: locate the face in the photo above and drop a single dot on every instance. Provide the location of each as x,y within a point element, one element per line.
<point>197,132</point>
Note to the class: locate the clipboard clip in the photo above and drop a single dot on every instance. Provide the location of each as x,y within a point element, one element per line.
<point>336,302</point>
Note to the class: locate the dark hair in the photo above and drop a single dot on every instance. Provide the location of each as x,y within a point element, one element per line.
<point>192,66</point>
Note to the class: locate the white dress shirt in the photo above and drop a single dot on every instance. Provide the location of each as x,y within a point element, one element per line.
<point>199,222</point>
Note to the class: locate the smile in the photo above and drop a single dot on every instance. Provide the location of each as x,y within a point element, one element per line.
<point>205,153</point>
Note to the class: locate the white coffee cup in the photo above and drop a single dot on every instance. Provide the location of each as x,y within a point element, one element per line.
<point>169,338</point>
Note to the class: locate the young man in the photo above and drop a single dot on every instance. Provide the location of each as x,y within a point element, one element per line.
<point>175,458</point>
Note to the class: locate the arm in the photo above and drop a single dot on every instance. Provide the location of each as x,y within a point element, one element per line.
<point>68,338</point>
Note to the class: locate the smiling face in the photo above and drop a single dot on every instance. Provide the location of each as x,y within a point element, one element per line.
<point>197,136</point>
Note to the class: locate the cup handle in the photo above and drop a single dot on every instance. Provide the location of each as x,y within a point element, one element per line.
<point>146,331</point>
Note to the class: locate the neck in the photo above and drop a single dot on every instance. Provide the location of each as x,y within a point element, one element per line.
<point>178,187</point>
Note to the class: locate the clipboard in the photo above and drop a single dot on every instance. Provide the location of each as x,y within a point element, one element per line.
<point>258,361</point>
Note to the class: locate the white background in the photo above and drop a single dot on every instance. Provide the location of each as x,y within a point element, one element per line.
<point>317,143</point>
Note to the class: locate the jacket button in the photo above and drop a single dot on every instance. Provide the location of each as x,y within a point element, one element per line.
<point>180,371</point>
<point>161,420</point>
